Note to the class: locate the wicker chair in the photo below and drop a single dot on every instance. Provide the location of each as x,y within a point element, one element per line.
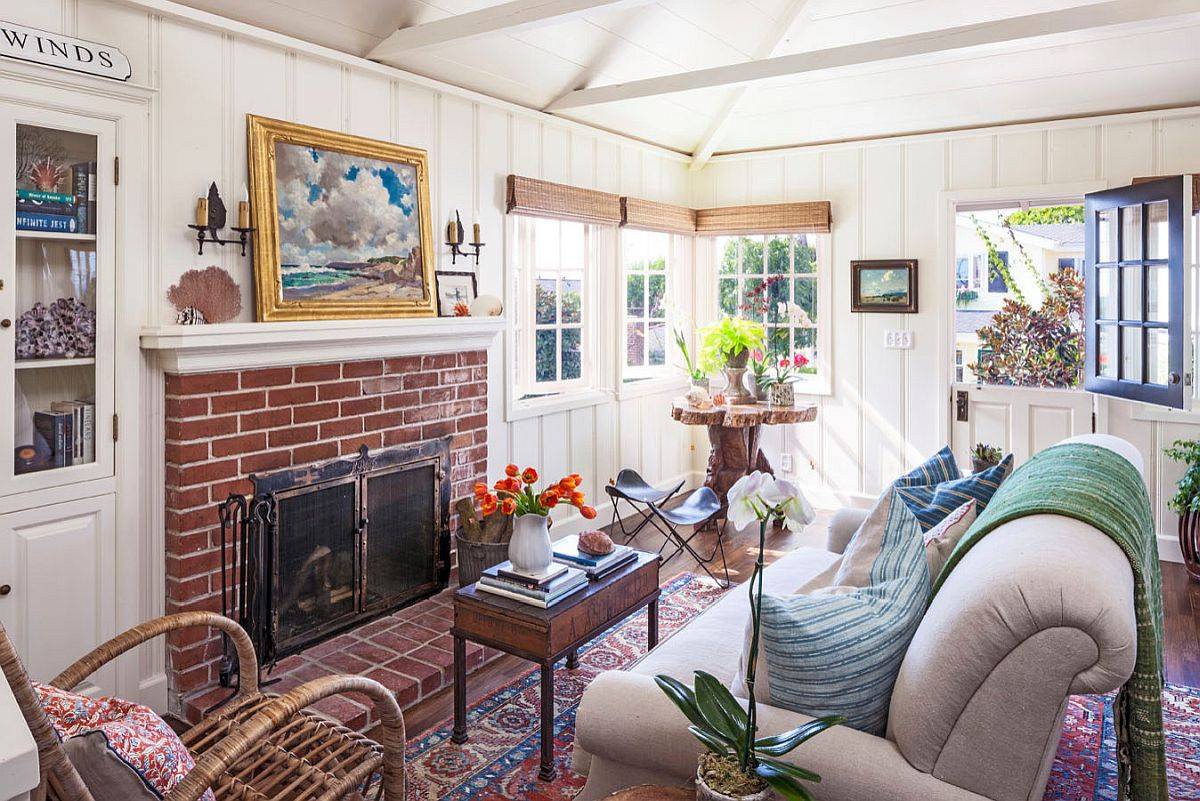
<point>257,746</point>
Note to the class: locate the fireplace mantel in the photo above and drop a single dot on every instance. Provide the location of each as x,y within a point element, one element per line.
<point>209,348</point>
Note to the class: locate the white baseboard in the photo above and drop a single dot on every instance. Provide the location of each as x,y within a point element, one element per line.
<point>1168,548</point>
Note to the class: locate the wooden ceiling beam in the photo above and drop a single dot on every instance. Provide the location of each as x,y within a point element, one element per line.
<point>1025,26</point>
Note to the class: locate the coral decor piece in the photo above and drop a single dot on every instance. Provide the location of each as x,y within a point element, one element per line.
<point>515,494</point>
<point>48,174</point>
<point>462,310</point>
<point>596,543</point>
<point>206,296</point>
<point>719,399</point>
<point>64,329</point>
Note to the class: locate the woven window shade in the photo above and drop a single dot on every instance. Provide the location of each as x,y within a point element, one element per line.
<point>651,216</point>
<point>779,218</point>
<point>562,202</point>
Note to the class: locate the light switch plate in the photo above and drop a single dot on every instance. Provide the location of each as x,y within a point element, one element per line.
<point>898,339</point>
<point>785,462</point>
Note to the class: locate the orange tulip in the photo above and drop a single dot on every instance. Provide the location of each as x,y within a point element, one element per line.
<point>588,512</point>
<point>508,506</point>
<point>576,479</point>
<point>512,470</point>
<point>549,499</point>
<point>480,489</point>
<point>488,505</point>
<point>568,481</point>
<point>514,485</point>
<point>529,475</point>
<point>500,485</point>
<point>577,498</point>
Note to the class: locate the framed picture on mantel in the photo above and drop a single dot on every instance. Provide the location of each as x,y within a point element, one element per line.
<point>342,225</point>
<point>885,285</point>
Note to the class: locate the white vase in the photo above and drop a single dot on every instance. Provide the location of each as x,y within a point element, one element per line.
<point>529,550</point>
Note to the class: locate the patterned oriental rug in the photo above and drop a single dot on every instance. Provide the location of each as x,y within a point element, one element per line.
<point>500,760</point>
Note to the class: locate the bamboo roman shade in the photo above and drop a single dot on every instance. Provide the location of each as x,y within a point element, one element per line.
<point>778,218</point>
<point>651,216</point>
<point>560,201</point>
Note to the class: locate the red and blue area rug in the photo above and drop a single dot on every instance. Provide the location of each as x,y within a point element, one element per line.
<point>500,761</point>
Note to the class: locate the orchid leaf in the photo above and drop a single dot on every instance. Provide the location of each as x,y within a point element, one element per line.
<point>794,771</point>
<point>780,744</point>
<point>711,741</point>
<point>788,788</point>
<point>683,697</point>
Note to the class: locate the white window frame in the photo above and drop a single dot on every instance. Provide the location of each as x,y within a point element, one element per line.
<point>821,382</point>
<point>644,371</point>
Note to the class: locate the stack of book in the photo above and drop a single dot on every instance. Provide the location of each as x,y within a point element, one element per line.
<point>61,212</point>
<point>566,552</point>
<point>69,429</point>
<point>543,589</point>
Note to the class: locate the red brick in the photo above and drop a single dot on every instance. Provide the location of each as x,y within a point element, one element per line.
<point>404,364</point>
<point>186,499</point>
<point>437,395</point>
<point>182,638</point>
<point>269,377</point>
<point>186,407</point>
<point>194,520</point>
<point>315,412</point>
<point>243,443</point>
<point>188,589</point>
<point>401,400</point>
<point>202,428</point>
<point>361,406</point>
<point>341,428</point>
<point>428,676</point>
<point>203,384</point>
<point>443,660</point>
<point>207,473</point>
<point>330,646</point>
<point>393,641</point>
<point>185,453</point>
<point>375,422</point>
<point>438,429</point>
<point>375,386</point>
<point>438,361</point>
<point>340,708</point>
<point>241,402</point>
<point>477,390</point>
<point>420,380</point>
<point>425,414</point>
<point>362,369</point>
<point>401,436</point>
<point>269,418</point>
<point>239,486</point>
<point>271,460</point>
<point>341,389</point>
<point>292,396</point>
<point>403,687</point>
<point>471,421</point>
<point>296,435</point>
<point>199,564</point>
<point>191,679</point>
<point>472,357</point>
<point>318,372</point>
<point>352,444</point>
<point>343,662</point>
<point>371,652</point>
<point>462,376</point>
<point>184,544</point>
<point>314,453</point>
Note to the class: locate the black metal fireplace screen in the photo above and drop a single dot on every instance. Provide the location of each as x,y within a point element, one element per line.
<point>319,549</point>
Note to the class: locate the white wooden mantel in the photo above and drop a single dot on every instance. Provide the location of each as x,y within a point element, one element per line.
<point>236,346</point>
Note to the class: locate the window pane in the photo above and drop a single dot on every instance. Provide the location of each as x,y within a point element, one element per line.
<point>1106,293</point>
<point>545,239</point>
<point>1131,233</point>
<point>572,298</point>
<point>656,290</point>
<point>806,254</point>
<point>1106,356</point>
<point>806,297</point>
<point>1106,224</point>
<point>806,345</point>
<point>656,344</point>
<point>778,343</point>
<point>1158,230</point>
<point>1158,357</point>
<point>996,282</point>
<point>547,355</point>
<point>634,245</point>
<point>572,361</point>
<point>777,255</point>
<point>658,246</point>
<point>1131,293</point>
<point>635,344</point>
<point>778,292</point>
<point>573,249</point>
<point>752,256</point>
<point>1158,301</point>
<point>546,308</point>
<point>753,302</point>
<point>1131,353</point>
<point>635,295</point>
<point>727,300</point>
<point>727,248</point>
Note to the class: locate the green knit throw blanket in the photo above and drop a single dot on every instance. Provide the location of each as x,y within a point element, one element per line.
<point>1104,490</point>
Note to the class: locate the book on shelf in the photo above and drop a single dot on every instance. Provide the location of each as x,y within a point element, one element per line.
<point>83,427</point>
<point>56,429</point>
<point>566,585</point>
<point>44,197</point>
<point>83,185</point>
<point>50,223</point>
<point>537,581</point>
<point>46,207</point>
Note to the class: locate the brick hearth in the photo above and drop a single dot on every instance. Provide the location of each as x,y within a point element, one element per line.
<point>223,426</point>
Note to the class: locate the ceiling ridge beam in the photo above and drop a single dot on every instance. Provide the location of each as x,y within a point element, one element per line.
<point>1025,26</point>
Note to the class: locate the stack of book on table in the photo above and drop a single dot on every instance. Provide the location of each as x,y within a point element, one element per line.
<point>542,589</point>
<point>566,552</point>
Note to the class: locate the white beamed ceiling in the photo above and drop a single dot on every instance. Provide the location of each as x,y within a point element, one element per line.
<point>1129,67</point>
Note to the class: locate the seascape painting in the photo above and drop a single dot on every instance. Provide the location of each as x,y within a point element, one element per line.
<point>884,285</point>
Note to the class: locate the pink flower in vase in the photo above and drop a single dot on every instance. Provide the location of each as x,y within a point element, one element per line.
<point>799,360</point>
<point>756,355</point>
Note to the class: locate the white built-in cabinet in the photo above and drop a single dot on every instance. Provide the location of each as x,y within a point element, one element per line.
<point>73,510</point>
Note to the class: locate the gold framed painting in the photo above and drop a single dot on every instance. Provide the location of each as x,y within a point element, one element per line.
<point>342,225</point>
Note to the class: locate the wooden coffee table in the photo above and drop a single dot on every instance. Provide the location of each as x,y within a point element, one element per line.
<point>545,636</point>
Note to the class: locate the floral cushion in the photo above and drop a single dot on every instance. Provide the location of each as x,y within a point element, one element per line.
<point>149,756</point>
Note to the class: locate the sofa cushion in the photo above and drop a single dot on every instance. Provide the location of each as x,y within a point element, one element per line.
<point>941,539</point>
<point>837,650</point>
<point>122,751</point>
<point>931,503</point>
<point>936,469</point>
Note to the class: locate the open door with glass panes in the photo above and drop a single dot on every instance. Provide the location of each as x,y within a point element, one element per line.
<point>1137,310</point>
<point>56,296</point>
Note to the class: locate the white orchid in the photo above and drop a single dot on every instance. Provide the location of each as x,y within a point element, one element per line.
<point>792,507</point>
<point>761,496</point>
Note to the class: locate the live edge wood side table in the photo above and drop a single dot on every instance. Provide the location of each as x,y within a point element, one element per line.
<point>733,432</point>
<point>545,636</point>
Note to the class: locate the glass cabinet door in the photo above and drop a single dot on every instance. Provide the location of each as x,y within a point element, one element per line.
<point>56,315</point>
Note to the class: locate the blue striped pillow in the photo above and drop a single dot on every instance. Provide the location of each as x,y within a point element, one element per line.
<point>938,468</point>
<point>838,651</point>
<point>931,503</point>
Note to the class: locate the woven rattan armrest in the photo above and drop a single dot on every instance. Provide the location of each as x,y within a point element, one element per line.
<point>284,710</point>
<point>105,653</point>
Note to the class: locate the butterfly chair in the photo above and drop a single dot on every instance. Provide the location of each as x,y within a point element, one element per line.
<point>697,509</point>
<point>255,747</point>
<point>635,491</point>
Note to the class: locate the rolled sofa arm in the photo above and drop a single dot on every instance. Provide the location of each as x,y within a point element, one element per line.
<point>842,527</point>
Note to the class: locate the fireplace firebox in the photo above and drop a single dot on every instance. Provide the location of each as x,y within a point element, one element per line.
<point>319,549</point>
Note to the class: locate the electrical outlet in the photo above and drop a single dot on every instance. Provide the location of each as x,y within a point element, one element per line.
<point>785,462</point>
<point>898,339</point>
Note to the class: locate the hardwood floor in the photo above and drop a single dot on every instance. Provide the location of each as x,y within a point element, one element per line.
<point>1181,606</point>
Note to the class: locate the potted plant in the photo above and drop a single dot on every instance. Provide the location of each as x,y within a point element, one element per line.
<point>529,549</point>
<point>1186,501</point>
<point>984,456</point>
<point>739,765</point>
<point>729,341</point>
<point>697,370</point>
<point>778,380</point>
<point>756,378</point>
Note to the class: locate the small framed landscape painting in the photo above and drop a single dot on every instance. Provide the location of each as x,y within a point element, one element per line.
<point>886,285</point>
<point>456,292</point>
<point>342,225</point>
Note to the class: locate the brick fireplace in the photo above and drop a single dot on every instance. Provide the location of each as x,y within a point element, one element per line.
<point>223,426</point>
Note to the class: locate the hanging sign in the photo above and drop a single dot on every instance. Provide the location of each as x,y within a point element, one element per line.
<point>66,52</point>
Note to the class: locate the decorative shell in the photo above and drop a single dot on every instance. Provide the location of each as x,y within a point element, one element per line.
<point>487,306</point>
<point>210,292</point>
<point>64,329</point>
<point>596,543</point>
<point>698,398</point>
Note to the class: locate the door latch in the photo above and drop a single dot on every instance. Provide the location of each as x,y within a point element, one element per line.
<point>961,406</point>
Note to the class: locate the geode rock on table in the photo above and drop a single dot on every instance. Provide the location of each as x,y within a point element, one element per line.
<point>65,328</point>
<point>596,543</point>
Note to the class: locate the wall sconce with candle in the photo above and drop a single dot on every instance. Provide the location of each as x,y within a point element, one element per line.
<point>455,236</point>
<point>210,218</point>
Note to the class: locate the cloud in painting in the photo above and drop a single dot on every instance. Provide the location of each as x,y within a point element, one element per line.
<point>337,207</point>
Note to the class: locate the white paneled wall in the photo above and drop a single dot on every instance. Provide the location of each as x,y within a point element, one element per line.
<point>890,408</point>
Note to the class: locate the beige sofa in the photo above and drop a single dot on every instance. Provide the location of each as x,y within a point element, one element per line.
<point>1040,609</point>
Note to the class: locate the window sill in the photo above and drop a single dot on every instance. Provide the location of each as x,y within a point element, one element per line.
<point>813,388</point>
<point>1150,413</point>
<point>523,409</point>
<point>651,386</point>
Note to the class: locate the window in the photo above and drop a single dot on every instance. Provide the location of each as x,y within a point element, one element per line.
<point>958,365</point>
<point>776,280</point>
<point>552,262</point>
<point>996,282</point>
<point>1072,263</point>
<point>646,256</point>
